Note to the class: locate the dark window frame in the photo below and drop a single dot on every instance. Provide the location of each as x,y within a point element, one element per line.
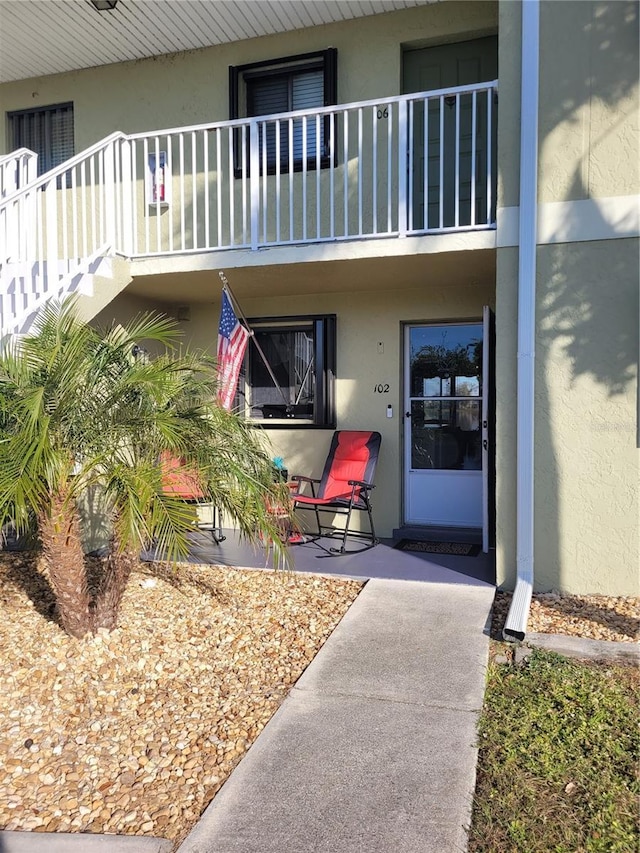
<point>46,159</point>
<point>288,67</point>
<point>324,343</point>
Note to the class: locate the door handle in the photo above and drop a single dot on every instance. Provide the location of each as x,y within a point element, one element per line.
<point>485,444</point>
<point>407,414</point>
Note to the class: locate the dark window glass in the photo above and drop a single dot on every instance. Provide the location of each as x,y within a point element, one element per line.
<point>283,86</point>
<point>293,384</point>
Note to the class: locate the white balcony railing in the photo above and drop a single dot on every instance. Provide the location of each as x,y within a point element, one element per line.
<point>413,164</point>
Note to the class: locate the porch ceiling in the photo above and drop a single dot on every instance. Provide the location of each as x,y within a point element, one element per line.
<point>435,272</point>
<point>42,37</point>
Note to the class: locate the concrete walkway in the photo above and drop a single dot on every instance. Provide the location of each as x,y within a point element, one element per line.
<point>374,749</point>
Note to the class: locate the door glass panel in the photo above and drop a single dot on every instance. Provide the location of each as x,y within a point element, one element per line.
<point>445,378</point>
<point>446,361</point>
<point>445,435</point>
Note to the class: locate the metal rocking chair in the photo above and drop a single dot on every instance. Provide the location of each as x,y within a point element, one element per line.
<point>345,487</point>
<point>179,482</point>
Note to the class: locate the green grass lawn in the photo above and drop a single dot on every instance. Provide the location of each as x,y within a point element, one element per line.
<point>558,767</point>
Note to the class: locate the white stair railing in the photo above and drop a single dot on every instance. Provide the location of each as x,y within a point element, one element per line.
<point>51,226</point>
<point>16,170</point>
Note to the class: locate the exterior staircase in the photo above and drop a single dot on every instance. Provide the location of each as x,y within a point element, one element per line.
<point>57,237</point>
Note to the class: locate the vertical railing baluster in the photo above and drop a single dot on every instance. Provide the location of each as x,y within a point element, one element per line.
<point>205,170</point>
<point>95,238</point>
<point>472,212</point>
<point>374,171</point>
<point>390,129</point>
<point>51,212</point>
<point>332,170</point>
<point>345,158</point>
<point>39,202</point>
<point>158,194</point>
<point>254,185</point>
<point>402,167</point>
<point>441,164</point>
<point>183,236</point>
<point>291,172</point>
<point>456,202</point>
<point>318,169</point>
<point>74,209</point>
<point>65,224</point>
<point>264,184</point>
<point>127,197</point>
<point>246,186</point>
<point>134,196</point>
<point>194,191</point>
<point>219,183</point>
<point>278,199</point>
<point>118,199</point>
<point>232,213</point>
<point>85,226</point>
<point>425,177</point>
<point>360,173</point>
<point>168,189</point>
<point>489,155</point>
<point>410,162</point>
<point>304,179</point>
<point>110,212</point>
<point>146,185</point>
<point>102,197</point>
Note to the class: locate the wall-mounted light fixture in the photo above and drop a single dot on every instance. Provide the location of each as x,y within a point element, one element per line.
<point>104,5</point>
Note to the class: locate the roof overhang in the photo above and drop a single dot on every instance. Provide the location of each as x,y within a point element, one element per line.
<point>42,37</point>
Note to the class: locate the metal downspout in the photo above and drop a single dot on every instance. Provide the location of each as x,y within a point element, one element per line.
<point>516,622</point>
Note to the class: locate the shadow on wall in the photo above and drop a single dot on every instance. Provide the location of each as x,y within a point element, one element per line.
<point>587,328</point>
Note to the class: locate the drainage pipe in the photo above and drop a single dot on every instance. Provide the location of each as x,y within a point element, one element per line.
<point>516,622</point>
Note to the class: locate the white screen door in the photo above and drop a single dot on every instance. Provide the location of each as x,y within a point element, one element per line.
<point>447,453</point>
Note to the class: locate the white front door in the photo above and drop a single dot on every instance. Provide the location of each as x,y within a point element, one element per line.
<point>446,426</point>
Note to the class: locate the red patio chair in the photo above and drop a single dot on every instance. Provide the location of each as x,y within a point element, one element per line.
<point>345,487</point>
<point>180,482</point>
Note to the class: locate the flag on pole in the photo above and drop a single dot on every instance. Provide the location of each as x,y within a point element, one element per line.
<point>232,343</point>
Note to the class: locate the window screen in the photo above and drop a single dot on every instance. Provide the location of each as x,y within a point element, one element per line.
<point>282,86</point>
<point>48,131</point>
<point>289,377</point>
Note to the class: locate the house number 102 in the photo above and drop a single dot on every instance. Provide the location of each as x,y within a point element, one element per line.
<point>381,388</point>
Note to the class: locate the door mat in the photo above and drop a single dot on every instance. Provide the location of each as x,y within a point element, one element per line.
<point>460,549</point>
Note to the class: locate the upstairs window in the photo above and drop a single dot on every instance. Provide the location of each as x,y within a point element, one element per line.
<point>293,83</point>
<point>297,388</point>
<point>48,131</point>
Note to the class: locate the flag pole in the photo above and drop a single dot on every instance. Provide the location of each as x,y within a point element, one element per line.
<point>226,286</point>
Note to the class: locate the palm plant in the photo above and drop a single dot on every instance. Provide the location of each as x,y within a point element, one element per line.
<point>80,411</point>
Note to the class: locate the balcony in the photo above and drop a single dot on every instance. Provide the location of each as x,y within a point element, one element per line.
<point>416,164</point>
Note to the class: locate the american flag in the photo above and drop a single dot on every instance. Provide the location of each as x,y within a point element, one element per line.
<point>232,343</point>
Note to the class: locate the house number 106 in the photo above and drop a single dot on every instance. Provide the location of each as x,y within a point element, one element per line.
<point>381,388</point>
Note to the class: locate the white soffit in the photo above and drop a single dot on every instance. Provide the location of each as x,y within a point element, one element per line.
<point>41,37</point>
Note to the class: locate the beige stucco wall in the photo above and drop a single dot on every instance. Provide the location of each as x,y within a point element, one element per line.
<point>363,319</point>
<point>587,463</point>
<point>587,467</point>
<point>192,87</point>
<point>588,121</point>
<point>587,460</point>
